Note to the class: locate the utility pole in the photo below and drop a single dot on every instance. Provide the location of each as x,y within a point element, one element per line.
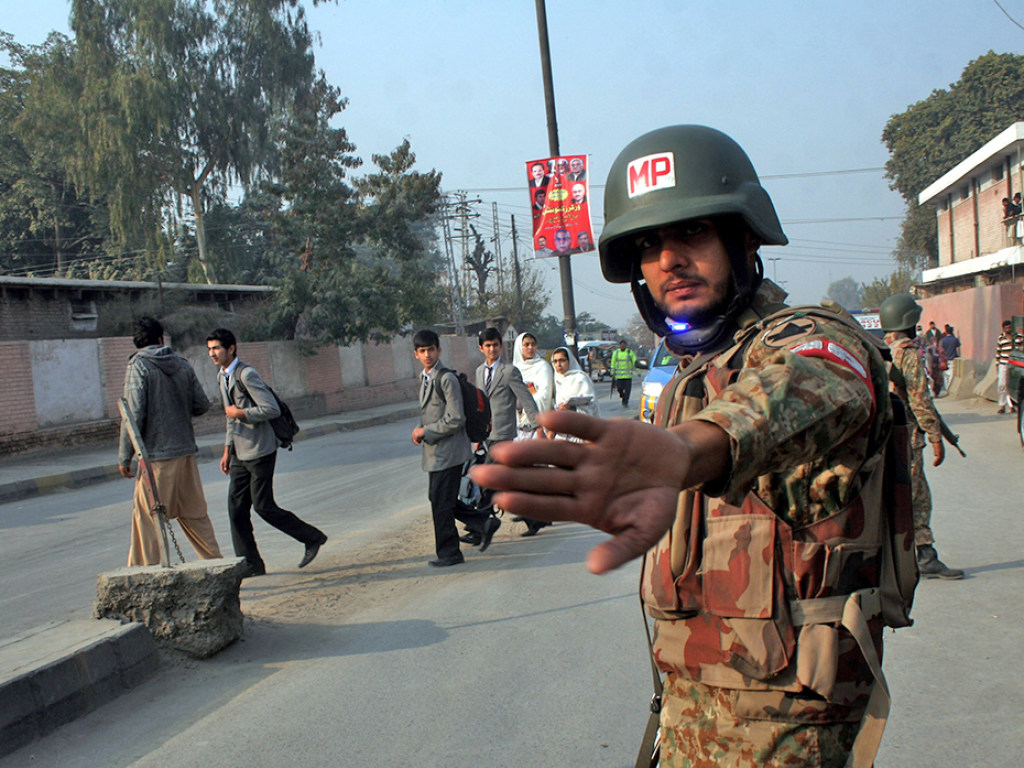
<point>519,277</point>
<point>497,247</point>
<point>454,294</point>
<point>564,264</point>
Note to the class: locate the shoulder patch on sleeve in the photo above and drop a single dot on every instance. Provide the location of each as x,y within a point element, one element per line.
<point>833,352</point>
<point>789,331</point>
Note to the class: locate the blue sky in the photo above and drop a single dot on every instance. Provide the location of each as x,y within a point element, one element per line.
<point>805,87</point>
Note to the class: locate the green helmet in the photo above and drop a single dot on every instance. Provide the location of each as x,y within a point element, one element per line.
<point>899,312</point>
<point>676,173</point>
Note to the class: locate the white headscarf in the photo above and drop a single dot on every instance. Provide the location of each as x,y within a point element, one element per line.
<point>538,375</point>
<point>575,383</point>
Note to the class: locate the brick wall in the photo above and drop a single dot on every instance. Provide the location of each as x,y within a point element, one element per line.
<point>35,315</point>
<point>114,354</point>
<point>323,371</point>
<point>19,411</point>
<point>313,385</point>
<point>963,230</point>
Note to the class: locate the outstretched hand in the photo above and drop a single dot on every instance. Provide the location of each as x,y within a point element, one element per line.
<point>625,480</point>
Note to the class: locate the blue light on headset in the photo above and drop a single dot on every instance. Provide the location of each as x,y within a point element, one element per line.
<point>677,326</point>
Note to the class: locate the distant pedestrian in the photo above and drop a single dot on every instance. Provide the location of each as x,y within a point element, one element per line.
<point>935,359</point>
<point>1004,345</point>
<point>951,347</point>
<point>622,363</point>
<point>250,456</point>
<point>539,378</point>
<point>163,395</point>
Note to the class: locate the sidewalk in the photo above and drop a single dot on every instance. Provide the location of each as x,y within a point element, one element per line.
<point>46,472</point>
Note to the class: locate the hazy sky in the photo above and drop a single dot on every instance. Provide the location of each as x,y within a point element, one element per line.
<point>805,87</point>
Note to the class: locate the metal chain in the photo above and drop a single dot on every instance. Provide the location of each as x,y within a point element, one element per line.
<point>174,541</point>
<point>161,510</point>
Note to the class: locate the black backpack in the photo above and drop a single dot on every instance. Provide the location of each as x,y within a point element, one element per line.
<point>284,425</point>
<point>475,406</point>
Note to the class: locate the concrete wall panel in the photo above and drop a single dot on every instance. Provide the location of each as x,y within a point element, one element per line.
<point>353,372</point>
<point>405,363</point>
<point>66,381</point>
<point>380,364</point>
<point>288,369</point>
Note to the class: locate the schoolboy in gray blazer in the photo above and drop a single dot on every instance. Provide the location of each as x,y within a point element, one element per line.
<point>441,433</point>
<point>250,456</point>
<point>504,388</point>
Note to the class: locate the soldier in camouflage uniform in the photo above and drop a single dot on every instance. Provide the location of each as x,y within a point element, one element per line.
<point>899,315</point>
<point>757,500</point>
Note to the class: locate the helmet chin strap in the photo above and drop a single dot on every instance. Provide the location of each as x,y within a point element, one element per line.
<point>685,338</point>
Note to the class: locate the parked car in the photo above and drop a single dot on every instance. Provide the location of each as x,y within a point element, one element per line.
<point>662,368</point>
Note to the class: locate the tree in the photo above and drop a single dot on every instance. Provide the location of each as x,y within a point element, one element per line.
<point>173,101</point>
<point>881,288</point>
<point>481,262</point>
<point>525,310</point>
<point>934,134</point>
<point>845,292</point>
<point>45,224</point>
<point>360,258</point>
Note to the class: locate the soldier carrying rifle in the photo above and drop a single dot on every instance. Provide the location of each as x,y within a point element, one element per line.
<point>899,315</point>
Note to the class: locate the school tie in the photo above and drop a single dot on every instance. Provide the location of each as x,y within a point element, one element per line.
<point>487,382</point>
<point>426,386</point>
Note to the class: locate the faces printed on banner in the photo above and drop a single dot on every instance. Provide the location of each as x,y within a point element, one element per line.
<point>538,176</point>
<point>563,241</point>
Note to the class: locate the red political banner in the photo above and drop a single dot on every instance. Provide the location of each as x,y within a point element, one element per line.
<point>560,203</point>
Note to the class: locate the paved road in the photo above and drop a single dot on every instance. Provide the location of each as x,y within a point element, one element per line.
<point>518,658</point>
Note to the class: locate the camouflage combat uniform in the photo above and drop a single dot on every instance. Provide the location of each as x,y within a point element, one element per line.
<point>756,588</point>
<point>917,394</point>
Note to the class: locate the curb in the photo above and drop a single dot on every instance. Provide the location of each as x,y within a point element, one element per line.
<point>80,478</point>
<point>59,671</point>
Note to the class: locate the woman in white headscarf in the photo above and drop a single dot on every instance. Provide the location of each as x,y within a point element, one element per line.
<point>538,376</point>
<point>573,388</point>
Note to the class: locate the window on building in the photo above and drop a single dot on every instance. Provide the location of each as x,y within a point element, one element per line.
<point>84,316</point>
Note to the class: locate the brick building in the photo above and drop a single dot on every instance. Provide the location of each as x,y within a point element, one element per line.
<point>977,245</point>
<point>61,308</point>
<point>978,281</point>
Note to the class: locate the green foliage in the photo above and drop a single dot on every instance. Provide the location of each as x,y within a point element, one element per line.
<point>845,292</point>
<point>173,101</point>
<point>45,225</point>
<point>934,134</point>
<point>881,288</point>
<point>523,303</point>
<point>363,263</point>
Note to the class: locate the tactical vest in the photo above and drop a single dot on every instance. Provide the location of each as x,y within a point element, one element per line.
<point>744,600</point>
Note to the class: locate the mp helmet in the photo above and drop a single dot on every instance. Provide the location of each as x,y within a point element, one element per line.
<point>900,313</point>
<point>673,174</point>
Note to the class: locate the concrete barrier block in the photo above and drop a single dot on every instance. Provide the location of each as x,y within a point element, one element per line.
<point>193,608</point>
<point>988,386</point>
